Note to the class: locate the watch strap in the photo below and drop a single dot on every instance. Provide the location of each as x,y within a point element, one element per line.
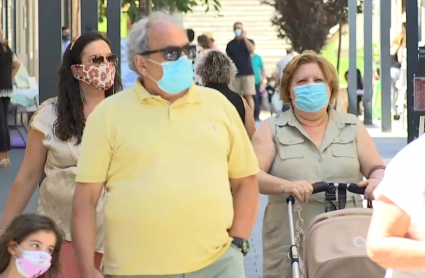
<point>238,242</point>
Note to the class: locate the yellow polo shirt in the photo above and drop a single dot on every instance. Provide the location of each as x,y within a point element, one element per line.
<point>166,168</point>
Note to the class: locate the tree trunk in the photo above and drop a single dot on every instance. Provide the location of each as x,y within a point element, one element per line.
<point>145,8</point>
<point>148,7</point>
<point>339,48</point>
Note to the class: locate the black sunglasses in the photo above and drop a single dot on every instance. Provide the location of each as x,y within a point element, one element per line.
<point>98,60</point>
<point>172,53</point>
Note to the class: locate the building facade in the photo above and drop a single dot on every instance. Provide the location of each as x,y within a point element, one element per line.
<point>19,24</point>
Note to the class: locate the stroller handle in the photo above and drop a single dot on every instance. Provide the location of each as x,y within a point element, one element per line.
<point>324,186</point>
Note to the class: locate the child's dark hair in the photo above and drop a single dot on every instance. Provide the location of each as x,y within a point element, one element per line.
<point>23,226</point>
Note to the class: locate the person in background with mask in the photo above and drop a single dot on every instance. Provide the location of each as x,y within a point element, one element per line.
<point>165,151</point>
<point>29,247</point>
<point>310,142</point>
<point>260,78</point>
<point>66,38</point>
<point>87,76</point>
<point>239,50</point>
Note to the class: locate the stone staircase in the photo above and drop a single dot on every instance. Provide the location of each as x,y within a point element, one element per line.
<point>256,19</point>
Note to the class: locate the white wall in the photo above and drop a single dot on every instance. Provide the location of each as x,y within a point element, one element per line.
<point>27,34</point>
<point>7,8</point>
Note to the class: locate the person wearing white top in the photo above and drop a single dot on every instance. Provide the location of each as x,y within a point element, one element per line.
<point>396,238</point>
<point>290,54</point>
<point>402,83</point>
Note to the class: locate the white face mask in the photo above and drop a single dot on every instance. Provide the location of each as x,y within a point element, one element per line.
<point>238,32</point>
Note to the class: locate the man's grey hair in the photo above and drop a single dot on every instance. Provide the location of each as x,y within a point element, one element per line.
<point>137,40</point>
<point>216,67</point>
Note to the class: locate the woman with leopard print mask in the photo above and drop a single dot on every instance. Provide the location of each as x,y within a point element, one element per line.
<point>87,76</point>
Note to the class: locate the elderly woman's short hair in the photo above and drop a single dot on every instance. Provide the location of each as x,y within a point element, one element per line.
<point>216,67</point>
<point>308,57</point>
<point>137,40</point>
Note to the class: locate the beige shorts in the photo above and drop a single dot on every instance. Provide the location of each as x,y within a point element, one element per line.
<point>244,85</point>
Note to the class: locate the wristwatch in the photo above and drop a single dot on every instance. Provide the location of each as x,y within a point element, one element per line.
<point>241,244</point>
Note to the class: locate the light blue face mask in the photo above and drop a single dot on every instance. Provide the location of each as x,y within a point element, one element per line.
<point>178,75</point>
<point>238,32</point>
<point>311,97</point>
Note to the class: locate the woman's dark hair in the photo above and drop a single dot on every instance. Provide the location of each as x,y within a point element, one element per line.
<point>71,122</point>
<point>23,226</point>
<point>190,35</point>
<point>359,79</point>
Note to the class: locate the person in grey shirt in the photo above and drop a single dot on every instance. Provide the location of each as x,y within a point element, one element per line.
<point>290,54</point>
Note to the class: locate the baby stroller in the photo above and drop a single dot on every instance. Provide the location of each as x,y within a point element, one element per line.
<point>335,245</point>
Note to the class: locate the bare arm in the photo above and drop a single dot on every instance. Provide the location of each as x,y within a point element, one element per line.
<point>83,223</point>
<point>242,168</point>
<point>28,177</point>
<point>15,67</point>
<point>249,119</point>
<point>400,55</point>
<point>399,196</point>
<point>245,204</point>
<point>369,158</point>
<point>265,149</point>
<point>92,175</point>
<point>367,153</point>
<point>249,45</point>
<point>387,244</point>
<point>263,75</point>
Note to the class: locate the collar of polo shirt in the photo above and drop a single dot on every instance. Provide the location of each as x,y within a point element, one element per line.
<point>192,95</point>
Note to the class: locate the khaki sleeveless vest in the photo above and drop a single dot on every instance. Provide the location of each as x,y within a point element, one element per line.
<point>298,158</point>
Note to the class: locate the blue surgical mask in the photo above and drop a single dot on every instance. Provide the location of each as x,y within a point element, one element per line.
<point>178,75</point>
<point>238,32</point>
<point>311,97</point>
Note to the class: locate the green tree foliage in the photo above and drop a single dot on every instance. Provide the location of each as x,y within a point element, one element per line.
<point>139,8</point>
<point>306,23</point>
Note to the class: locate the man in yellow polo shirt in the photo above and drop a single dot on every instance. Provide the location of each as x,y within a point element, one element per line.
<point>166,152</point>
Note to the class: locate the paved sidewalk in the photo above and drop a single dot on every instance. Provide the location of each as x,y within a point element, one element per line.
<point>387,147</point>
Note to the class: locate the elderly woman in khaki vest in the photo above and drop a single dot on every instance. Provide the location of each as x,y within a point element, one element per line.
<point>308,143</point>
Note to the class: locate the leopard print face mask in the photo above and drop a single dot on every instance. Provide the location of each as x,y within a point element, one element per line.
<point>100,76</point>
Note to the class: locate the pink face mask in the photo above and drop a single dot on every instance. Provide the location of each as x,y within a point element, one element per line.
<point>33,263</point>
<point>100,76</point>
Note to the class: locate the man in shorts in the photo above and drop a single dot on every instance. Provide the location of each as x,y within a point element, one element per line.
<point>239,50</point>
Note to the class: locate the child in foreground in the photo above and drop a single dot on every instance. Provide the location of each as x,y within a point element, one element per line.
<point>29,247</point>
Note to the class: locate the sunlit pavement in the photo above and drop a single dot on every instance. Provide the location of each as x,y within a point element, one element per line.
<point>388,145</point>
